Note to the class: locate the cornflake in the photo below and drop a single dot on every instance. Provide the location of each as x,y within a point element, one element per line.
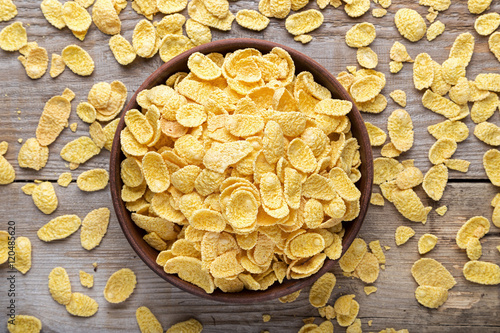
<point>78,60</point>
<point>123,52</point>
<point>475,227</point>
<point>429,272</point>
<point>367,57</point>
<point>59,228</point>
<point>105,17</point>
<point>24,323</point>
<point>92,180</point>
<point>377,135</point>
<point>86,279</point>
<point>478,6</point>
<point>426,243</point>
<point>45,198</point>
<point>321,290</point>
<point>423,71</point>
<point>64,179</point>
<point>147,321</point>
<point>491,164</point>
<point>494,44</point>
<point>399,96</point>
<point>357,8</point>
<point>8,12</point>
<point>22,254</point>
<point>434,30</point>
<point>441,210</point>
<point>482,272</point>
<point>360,35</point>
<point>410,24</point>
<point>252,20</point>
<point>94,227</point>
<point>435,181</point>
<point>487,23</point>
<point>192,326</point>
<point>82,305</point>
<point>462,48</point>
<point>60,286</point>
<point>400,127</point>
<point>304,22</point>
<point>483,110</point>
<point>13,37</point>
<point>120,286</point>
<point>488,133</point>
<point>431,297</point>
<point>33,155</point>
<point>403,234</point>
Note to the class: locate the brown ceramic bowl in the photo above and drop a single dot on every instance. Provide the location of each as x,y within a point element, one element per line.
<point>302,63</point>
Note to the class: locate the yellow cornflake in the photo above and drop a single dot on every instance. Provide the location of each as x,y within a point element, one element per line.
<point>494,44</point>
<point>321,290</point>
<point>377,135</point>
<point>32,155</point>
<point>368,269</point>
<point>105,17</point>
<point>45,198</point>
<point>395,66</point>
<point>429,272</point>
<point>13,37</point>
<point>59,228</point>
<point>93,180</point>
<point>399,96</point>
<point>438,5</point>
<point>441,210</point>
<point>94,227</point>
<point>369,290</point>
<point>410,24</point>
<point>410,177</point>
<point>475,227</point>
<point>346,309</point>
<point>147,321</point>
<point>462,48</point>
<point>385,169</point>
<point>434,30</point>
<point>423,71</point>
<point>460,93</point>
<point>377,199</point>
<point>78,60</point>
<point>431,297</point>
<point>192,326</point>
<point>377,105</point>
<point>353,256</point>
<point>171,6</point>
<point>36,62</point>
<point>435,181</point>
<point>406,202</point>
<point>122,50</point>
<point>304,22</point>
<point>379,12</point>
<point>252,20</point>
<point>120,285</point>
<point>488,133</point>
<point>304,39</point>
<point>377,251</point>
<point>357,8</point>
<point>8,11</point>
<point>76,18</point>
<point>360,35</point>
<point>448,129</point>
<point>86,279</point>
<point>452,70</point>
<point>199,12</point>
<point>440,105</point>
<point>478,6</point>
<point>24,324</point>
<point>22,257</point>
<point>60,286</point>
<point>426,243</point>
<point>367,57</point>
<point>474,249</point>
<point>458,165</point>
<point>482,272</point>
<point>442,150</point>
<point>482,110</point>
<point>399,53</point>
<point>79,150</point>
<point>366,88</point>
<point>82,305</point>
<point>403,234</point>
<point>400,127</point>
<point>487,23</point>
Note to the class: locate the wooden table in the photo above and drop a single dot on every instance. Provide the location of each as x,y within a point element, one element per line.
<point>470,307</point>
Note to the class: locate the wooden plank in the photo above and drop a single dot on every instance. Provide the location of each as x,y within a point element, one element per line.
<point>470,307</point>
<point>328,48</point>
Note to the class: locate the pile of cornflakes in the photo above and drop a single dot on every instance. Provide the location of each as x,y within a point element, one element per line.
<point>241,173</point>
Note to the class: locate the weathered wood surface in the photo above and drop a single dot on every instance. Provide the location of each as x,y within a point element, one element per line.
<point>470,307</point>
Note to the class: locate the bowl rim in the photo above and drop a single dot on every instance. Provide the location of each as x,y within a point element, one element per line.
<point>245,296</point>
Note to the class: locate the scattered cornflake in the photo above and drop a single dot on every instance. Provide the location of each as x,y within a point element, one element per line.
<point>435,181</point>
<point>478,6</point>
<point>440,105</point>
<point>353,256</point>
<point>487,132</point>
<point>147,321</point>
<point>120,285</point>
<point>399,96</point>
<point>360,35</point>
<point>93,180</point>
<point>13,37</point>
<point>45,198</point>
<point>403,234</point>
<point>442,150</point>
<point>78,60</point>
<point>494,44</point>
<point>369,290</point>
<point>7,172</point>
<point>482,110</point>
<point>475,227</point>
<point>303,22</point>
<point>94,227</point>
<point>199,12</point>
<point>82,305</point>
<point>434,30</point>
<point>410,24</point>
<point>304,39</point>
<point>432,15</point>
<point>377,135</point>
<point>32,155</point>
<point>431,297</point>
<point>192,326</point>
<point>441,210</point>
<point>86,279</point>
<point>326,312</point>
<point>122,50</point>
<point>395,66</point>
<point>346,309</point>
<point>105,17</point>
<point>457,165</point>
<point>22,256</point>
<point>59,228</point>
<point>426,243</point>
<point>423,71</point>
<point>482,272</point>
<point>377,199</point>
<point>462,48</point>
<point>252,20</point>
<point>8,11</point>
<point>438,5</point>
<point>290,298</point>
<point>60,286</point>
<point>487,23</point>
<point>266,318</point>
<point>429,272</point>
<point>379,12</point>
<point>321,290</point>
<point>57,65</point>
<point>24,323</point>
<point>400,127</point>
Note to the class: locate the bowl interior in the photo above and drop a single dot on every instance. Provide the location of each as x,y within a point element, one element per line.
<point>302,63</point>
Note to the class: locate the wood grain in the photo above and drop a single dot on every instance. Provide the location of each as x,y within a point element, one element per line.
<point>470,307</point>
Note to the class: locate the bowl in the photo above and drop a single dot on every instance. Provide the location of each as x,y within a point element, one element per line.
<point>302,63</point>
